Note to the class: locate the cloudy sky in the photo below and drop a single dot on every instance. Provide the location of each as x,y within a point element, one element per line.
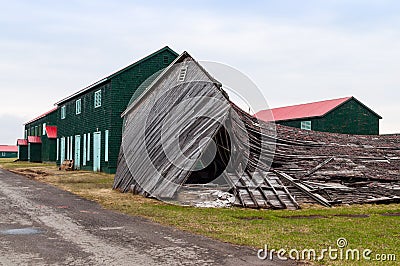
<point>295,51</point>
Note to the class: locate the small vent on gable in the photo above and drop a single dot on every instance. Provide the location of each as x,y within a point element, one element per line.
<point>182,74</point>
<point>166,60</point>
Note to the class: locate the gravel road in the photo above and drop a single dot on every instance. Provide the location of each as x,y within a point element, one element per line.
<point>43,225</point>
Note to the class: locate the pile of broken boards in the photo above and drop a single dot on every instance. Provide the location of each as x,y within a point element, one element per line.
<point>262,166</point>
<point>332,169</point>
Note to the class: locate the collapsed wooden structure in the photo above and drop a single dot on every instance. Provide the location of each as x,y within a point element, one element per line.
<point>183,138</point>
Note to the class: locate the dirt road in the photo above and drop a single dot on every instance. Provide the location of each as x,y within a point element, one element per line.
<point>43,225</point>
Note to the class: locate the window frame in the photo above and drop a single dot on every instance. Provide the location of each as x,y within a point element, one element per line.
<point>63,112</point>
<point>78,106</point>
<point>306,125</point>
<point>97,99</point>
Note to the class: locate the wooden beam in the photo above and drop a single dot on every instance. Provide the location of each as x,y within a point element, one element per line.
<point>297,183</point>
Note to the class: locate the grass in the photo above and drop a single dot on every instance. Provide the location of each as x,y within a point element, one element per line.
<point>315,227</point>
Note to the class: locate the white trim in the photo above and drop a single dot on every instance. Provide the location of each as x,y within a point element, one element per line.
<point>106,133</point>
<point>88,147</point>
<point>67,148</point>
<point>71,150</point>
<point>44,129</point>
<point>84,150</point>
<point>58,148</point>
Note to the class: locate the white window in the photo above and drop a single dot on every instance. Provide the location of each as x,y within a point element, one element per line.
<point>44,129</point>
<point>97,99</point>
<point>306,125</point>
<point>106,146</point>
<point>182,74</point>
<point>63,112</point>
<point>84,149</point>
<point>3,154</point>
<point>78,106</point>
<point>88,147</point>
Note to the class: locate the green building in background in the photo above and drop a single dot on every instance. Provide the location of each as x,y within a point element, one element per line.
<point>345,115</point>
<point>44,129</point>
<point>8,151</point>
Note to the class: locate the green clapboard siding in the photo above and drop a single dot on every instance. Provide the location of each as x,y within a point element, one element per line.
<point>35,152</point>
<point>116,92</point>
<point>349,118</point>
<point>48,147</point>
<point>8,154</point>
<point>23,153</point>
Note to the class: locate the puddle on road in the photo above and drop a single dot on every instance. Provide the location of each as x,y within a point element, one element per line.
<point>21,231</point>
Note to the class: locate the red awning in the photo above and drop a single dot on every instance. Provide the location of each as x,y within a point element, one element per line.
<point>34,139</point>
<point>8,148</point>
<point>51,132</point>
<point>22,142</point>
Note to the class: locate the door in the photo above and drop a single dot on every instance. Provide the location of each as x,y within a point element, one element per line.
<point>62,150</point>
<point>77,156</point>
<point>96,151</point>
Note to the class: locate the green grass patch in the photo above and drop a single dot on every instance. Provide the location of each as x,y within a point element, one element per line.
<point>12,163</point>
<point>375,227</point>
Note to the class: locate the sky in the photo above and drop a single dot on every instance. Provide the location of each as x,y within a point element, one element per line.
<point>294,51</point>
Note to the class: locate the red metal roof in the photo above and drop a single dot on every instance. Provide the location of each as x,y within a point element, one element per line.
<point>22,142</point>
<point>8,148</point>
<point>51,132</point>
<point>34,139</point>
<point>41,116</point>
<point>315,109</point>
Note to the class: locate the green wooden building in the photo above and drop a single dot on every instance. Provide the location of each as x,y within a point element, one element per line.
<point>34,149</point>
<point>22,145</point>
<point>89,122</point>
<point>345,115</point>
<point>8,151</point>
<point>44,127</point>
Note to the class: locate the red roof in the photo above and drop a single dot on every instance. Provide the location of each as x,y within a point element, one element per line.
<point>22,142</point>
<point>51,132</point>
<point>8,148</point>
<point>34,139</point>
<point>315,109</point>
<point>41,116</point>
